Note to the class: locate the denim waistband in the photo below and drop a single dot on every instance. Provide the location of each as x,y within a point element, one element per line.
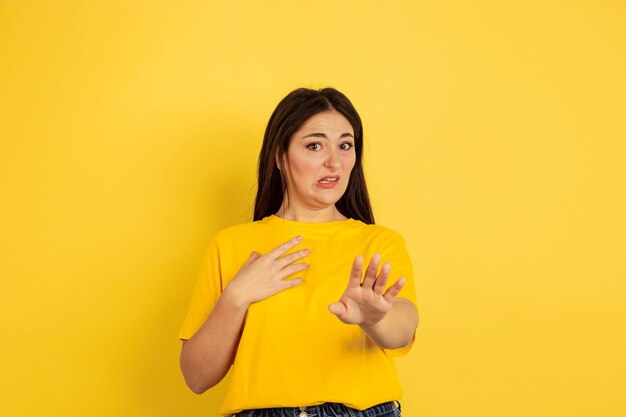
<point>388,409</point>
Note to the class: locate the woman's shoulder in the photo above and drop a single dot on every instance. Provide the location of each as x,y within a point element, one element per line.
<point>238,230</point>
<point>380,233</point>
<point>383,230</point>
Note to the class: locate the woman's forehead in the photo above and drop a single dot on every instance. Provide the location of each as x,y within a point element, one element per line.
<point>327,121</point>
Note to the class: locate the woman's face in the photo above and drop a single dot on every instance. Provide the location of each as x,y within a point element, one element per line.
<point>319,160</point>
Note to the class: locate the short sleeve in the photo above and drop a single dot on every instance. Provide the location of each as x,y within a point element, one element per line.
<point>395,252</point>
<point>206,291</point>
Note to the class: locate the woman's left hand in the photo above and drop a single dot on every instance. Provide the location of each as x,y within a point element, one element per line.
<point>364,303</point>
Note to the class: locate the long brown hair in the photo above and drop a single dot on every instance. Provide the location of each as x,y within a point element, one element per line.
<point>293,110</point>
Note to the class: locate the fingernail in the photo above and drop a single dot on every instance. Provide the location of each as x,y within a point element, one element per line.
<point>306,251</point>
<point>298,237</point>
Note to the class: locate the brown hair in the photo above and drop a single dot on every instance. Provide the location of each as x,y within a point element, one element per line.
<point>292,111</point>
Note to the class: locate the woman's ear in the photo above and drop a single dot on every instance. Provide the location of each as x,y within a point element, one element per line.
<point>277,160</point>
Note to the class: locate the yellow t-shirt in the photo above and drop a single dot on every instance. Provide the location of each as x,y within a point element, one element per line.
<point>293,351</point>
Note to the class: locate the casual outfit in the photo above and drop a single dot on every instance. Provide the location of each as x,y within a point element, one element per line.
<point>293,352</point>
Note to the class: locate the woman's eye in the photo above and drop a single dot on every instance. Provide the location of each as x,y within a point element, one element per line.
<point>346,146</point>
<point>313,146</point>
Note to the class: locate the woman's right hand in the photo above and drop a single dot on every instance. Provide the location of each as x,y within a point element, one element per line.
<point>263,275</point>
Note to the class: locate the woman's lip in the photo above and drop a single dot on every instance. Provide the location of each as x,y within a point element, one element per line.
<point>329,184</point>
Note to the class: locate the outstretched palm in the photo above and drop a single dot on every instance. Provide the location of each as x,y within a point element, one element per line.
<point>365,303</point>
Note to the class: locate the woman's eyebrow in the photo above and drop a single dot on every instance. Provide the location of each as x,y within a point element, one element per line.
<point>323,135</point>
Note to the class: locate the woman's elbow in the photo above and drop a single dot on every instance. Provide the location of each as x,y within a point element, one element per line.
<point>197,383</point>
<point>197,388</point>
<point>197,380</point>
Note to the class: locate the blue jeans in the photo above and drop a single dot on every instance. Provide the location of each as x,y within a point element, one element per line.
<point>388,409</point>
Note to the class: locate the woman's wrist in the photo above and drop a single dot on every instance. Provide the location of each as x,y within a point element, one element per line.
<point>234,299</point>
<point>396,329</point>
<point>373,330</point>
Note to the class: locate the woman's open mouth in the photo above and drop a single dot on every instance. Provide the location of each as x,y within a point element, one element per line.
<point>329,181</point>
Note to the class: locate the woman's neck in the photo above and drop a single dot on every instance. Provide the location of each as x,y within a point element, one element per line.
<point>301,214</point>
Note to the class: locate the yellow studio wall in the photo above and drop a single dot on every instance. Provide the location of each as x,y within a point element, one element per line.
<point>495,143</point>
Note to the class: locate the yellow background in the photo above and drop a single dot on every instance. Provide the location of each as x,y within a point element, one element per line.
<point>495,143</point>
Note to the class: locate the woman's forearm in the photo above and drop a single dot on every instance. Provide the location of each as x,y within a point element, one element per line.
<point>396,329</point>
<point>207,356</point>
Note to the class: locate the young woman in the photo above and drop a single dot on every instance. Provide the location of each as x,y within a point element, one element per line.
<point>286,300</point>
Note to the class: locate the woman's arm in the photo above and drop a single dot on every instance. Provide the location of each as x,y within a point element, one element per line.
<point>207,356</point>
<point>397,328</point>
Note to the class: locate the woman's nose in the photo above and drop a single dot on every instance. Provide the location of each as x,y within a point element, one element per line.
<point>332,160</point>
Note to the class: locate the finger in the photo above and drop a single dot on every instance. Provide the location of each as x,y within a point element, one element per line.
<point>283,248</point>
<point>370,273</point>
<point>356,273</point>
<point>292,257</point>
<point>292,269</point>
<point>393,291</point>
<point>381,281</point>
<point>253,257</point>
<point>290,283</point>
<point>338,309</point>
